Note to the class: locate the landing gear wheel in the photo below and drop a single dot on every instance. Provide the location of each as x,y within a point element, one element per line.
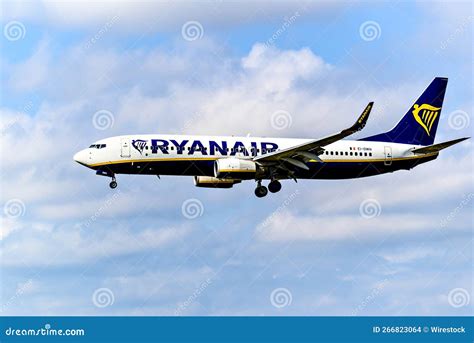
<point>261,191</point>
<point>113,184</point>
<point>274,186</point>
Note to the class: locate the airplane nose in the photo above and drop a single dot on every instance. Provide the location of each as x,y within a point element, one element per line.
<point>81,157</point>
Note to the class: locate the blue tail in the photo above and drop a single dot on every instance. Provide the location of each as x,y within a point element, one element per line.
<point>418,126</point>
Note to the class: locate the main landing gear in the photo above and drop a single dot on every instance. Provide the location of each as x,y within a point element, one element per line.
<point>260,191</point>
<point>274,186</point>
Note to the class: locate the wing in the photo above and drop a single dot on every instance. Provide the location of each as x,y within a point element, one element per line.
<point>311,150</point>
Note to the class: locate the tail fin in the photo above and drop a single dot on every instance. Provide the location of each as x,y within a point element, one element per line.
<point>419,124</point>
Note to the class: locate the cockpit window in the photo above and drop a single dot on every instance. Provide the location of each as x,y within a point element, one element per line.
<point>98,146</point>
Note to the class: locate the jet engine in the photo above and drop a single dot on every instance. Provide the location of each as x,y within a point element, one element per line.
<point>213,182</point>
<point>235,168</point>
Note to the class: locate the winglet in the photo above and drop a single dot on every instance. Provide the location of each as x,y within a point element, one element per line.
<point>313,148</point>
<point>361,121</point>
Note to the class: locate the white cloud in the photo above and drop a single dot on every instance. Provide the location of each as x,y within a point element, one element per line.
<point>273,71</point>
<point>70,245</point>
<point>285,226</point>
<point>33,72</point>
<point>8,225</point>
<point>146,15</point>
<point>409,255</point>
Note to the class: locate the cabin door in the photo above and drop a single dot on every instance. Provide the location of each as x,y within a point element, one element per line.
<point>388,156</point>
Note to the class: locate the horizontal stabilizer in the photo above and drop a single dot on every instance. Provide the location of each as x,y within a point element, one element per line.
<point>438,147</point>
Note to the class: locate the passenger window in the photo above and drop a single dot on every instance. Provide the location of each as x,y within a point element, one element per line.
<point>347,153</point>
<point>365,154</point>
<point>331,152</point>
<point>351,153</point>
<point>370,154</point>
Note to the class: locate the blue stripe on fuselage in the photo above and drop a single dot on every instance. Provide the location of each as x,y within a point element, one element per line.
<point>325,170</point>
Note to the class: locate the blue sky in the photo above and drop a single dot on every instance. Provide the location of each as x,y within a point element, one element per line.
<point>70,245</point>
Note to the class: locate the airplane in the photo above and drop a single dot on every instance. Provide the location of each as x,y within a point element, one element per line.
<point>222,161</point>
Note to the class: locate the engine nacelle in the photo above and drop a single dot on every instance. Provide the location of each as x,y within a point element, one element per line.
<point>212,182</point>
<point>235,168</point>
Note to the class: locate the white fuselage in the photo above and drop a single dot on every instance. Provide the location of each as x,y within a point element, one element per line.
<point>120,149</point>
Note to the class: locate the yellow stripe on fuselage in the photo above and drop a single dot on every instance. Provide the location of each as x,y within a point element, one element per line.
<point>236,171</point>
<point>230,170</point>
<point>155,160</point>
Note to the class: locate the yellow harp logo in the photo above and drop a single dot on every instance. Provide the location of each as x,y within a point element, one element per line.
<point>425,115</point>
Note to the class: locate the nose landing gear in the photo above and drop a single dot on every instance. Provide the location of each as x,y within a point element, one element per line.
<point>109,173</point>
<point>113,183</point>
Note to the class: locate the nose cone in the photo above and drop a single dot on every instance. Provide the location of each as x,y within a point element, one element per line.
<point>81,157</point>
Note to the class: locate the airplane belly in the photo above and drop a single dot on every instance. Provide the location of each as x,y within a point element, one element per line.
<point>352,170</point>
<point>179,167</point>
